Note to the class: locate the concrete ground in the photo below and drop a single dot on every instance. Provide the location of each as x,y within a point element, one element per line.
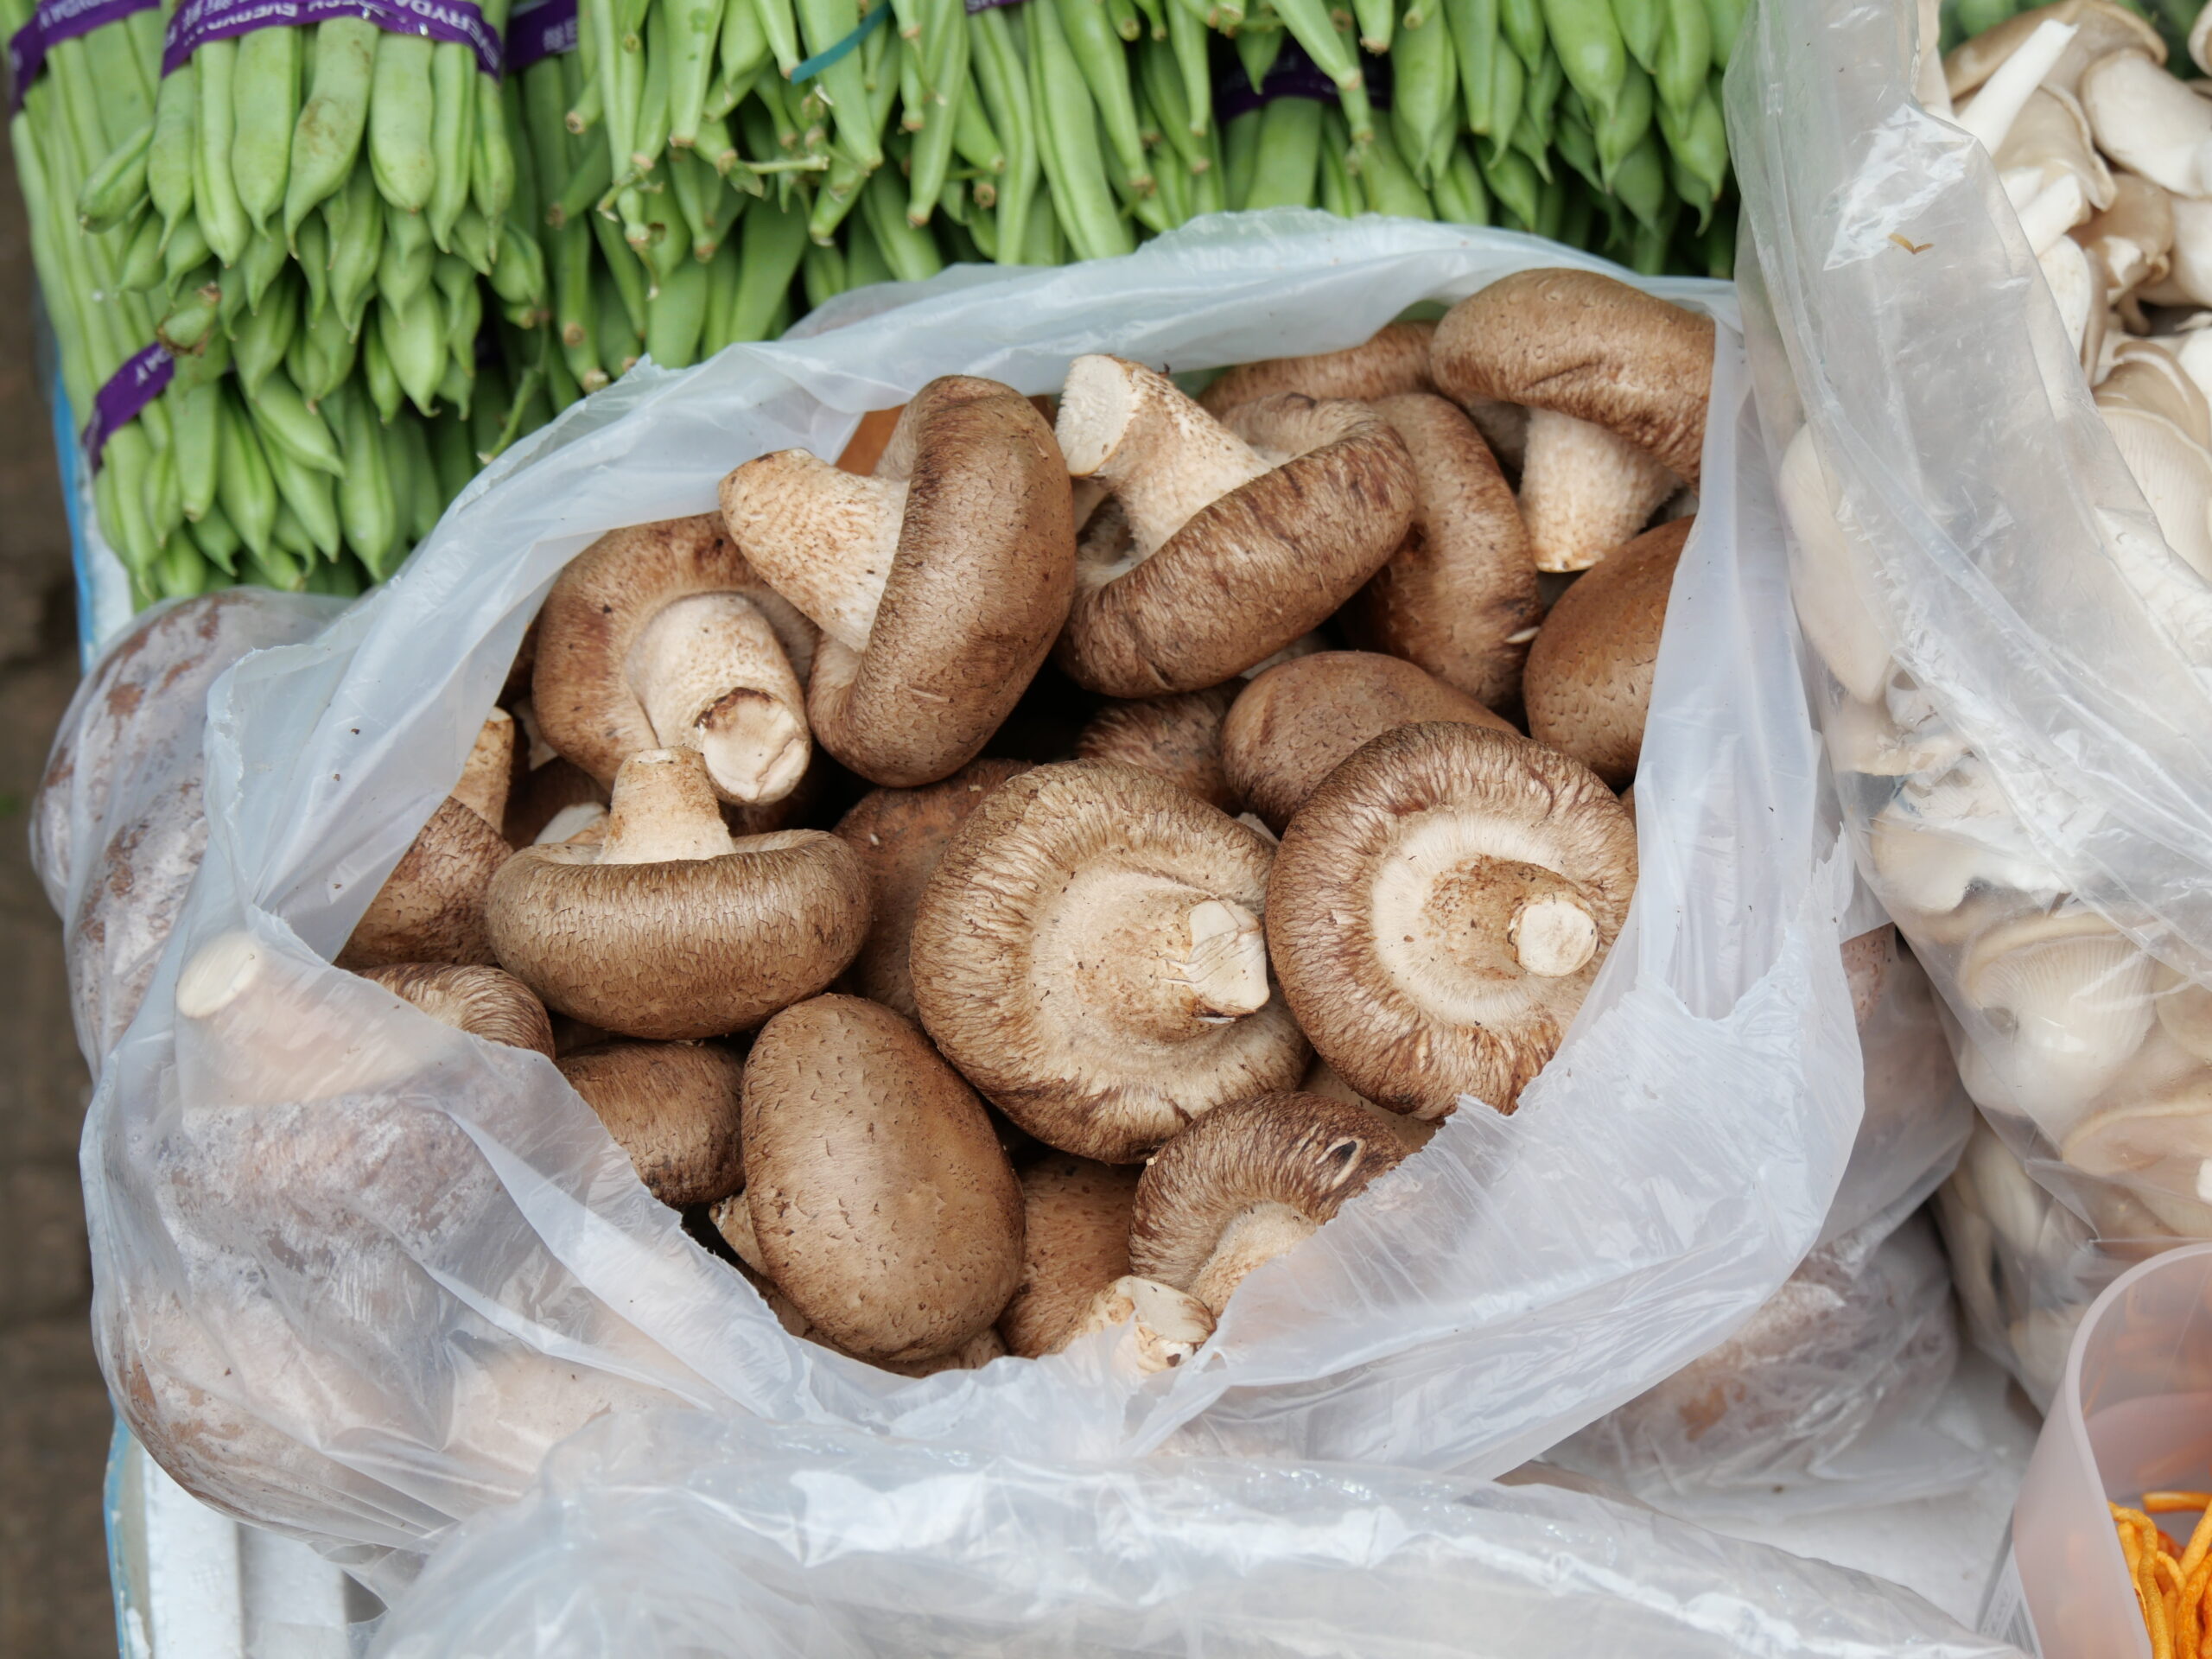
<point>55,1419</point>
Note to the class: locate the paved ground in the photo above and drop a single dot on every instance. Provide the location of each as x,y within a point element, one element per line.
<point>54,1410</point>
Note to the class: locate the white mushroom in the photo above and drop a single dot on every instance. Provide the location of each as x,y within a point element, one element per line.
<point>2074,287</point>
<point>2184,1011</point>
<point>1900,736</point>
<point>2146,121</point>
<point>2066,997</point>
<point>1938,838</point>
<point>1989,114</point>
<point>1833,590</point>
<point>2047,209</point>
<point>2133,236</point>
<point>2158,418</point>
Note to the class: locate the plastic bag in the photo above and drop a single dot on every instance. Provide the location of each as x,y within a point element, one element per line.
<point>357,1271</point>
<point>2016,695</point>
<point>673,1534</point>
<point>1819,1401</point>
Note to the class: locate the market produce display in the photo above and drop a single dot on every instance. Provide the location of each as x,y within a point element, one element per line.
<point>1113,1047</point>
<point>309,273</point>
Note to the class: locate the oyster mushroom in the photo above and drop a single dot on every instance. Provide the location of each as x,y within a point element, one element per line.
<point>2100,27</point>
<point>2075,289</point>
<point>1459,597</point>
<point>1617,382</point>
<point>1439,907</point>
<point>2068,999</point>
<point>2148,122</point>
<point>1177,737</point>
<point>2187,280</point>
<point>662,636</point>
<point>1088,954</point>
<point>877,1200</point>
<point>431,906</point>
<point>673,1107</point>
<point>1247,1184</point>
<point>1939,838</point>
<point>899,834</point>
<point>2133,237</point>
<point>1212,557</point>
<point>1588,683</point>
<point>1988,115</point>
<point>938,583</point>
<point>2159,1148</point>
<point>1394,359</point>
<point>1896,736</point>
<point>488,1001</point>
<point>2049,146</point>
<point>669,927</point>
<point>1295,725</point>
<point>1831,585</point>
<point>2159,420</point>
<point>2185,1008</point>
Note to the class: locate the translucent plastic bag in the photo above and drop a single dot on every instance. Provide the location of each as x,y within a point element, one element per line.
<point>671,1533</point>
<point>357,1270</point>
<point>2016,695</point>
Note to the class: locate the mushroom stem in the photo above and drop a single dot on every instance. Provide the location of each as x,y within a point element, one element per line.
<point>1228,965</point>
<point>1553,936</point>
<point>219,973</point>
<point>1252,1236</point>
<point>482,785</point>
<point>1162,455</point>
<point>1990,116</point>
<point>1171,1325</point>
<point>712,677</point>
<point>1174,960</point>
<point>823,538</point>
<point>664,812</point>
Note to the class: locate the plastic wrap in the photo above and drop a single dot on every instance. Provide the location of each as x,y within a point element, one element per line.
<point>357,1271</point>
<point>671,1533</point>
<point>2015,693</point>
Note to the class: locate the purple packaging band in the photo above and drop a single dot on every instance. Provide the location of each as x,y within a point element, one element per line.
<point>974,6</point>
<point>1292,75</point>
<point>52,22</point>
<point>543,31</point>
<point>457,22</point>
<point>115,405</point>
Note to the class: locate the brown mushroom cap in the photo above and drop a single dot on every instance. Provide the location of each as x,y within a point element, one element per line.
<point>431,906</point>
<point>1295,724</point>
<point>488,1001</point>
<point>673,1107</point>
<point>1226,559</point>
<point>665,626</point>
<point>1179,738</point>
<point>880,1201</point>
<point>547,791</point>
<point>1321,1079</point>
<point>939,584</point>
<point>1075,1235</point>
<point>1088,953</point>
<point>1248,1182</point>
<point>1588,682</point>
<point>669,928</point>
<point>1585,346</point>
<point>899,835</point>
<point>1459,597</point>
<point>1394,360</point>
<point>1438,908</point>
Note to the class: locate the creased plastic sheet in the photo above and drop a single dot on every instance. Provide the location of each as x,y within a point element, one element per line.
<point>2015,689</point>
<point>357,1271</point>
<point>671,1535</point>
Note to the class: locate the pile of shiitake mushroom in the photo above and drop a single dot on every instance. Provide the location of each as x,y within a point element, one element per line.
<point>1201,867</point>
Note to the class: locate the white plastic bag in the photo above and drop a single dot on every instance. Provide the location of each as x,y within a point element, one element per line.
<point>672,1534</point>
<point>357,1271</point>
<point>2018,685</point>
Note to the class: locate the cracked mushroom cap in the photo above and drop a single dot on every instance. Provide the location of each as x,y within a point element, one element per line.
<point>1247,1183</point>
<point>939,584</point>
<point>1295,724</point>
<point>878,1200</point>
<point>1617,383</point>
<point>1088,954</point>
<point>673,1107</point>
<point>1394,359</point>
<point>1178,737</point>
<point>1438,908</point>
<point>1214,556</point>
<point>899,835</point>
<point>431,906</point>
<point>1588,683</point>
<point>662,636</point>
<point>669,927</point>
<point>1459,597</point>
<point>489,1003</point>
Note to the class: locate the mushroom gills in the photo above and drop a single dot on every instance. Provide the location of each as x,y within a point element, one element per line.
<point>823,538</point>
<point>1162,954</point>
<point>1585,490</point>
<point>712,676</point>
<point>1253,1237</point>
<point>1162,455</point>
<point>2068,998</point>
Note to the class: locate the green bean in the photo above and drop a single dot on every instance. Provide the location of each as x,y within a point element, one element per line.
<point>1285,174</point>
<point>1590,49</point>
<point>526,202</point>
<point>1122,18</point>
<point>1698,140</point>
<point>335,349</point>
<point>1389,182</point>
<point>1340,193</point>
<point>1640,181</point>
<point>1514,185</point>
<point>266,102</point>
<point>518,274</point>
<point>215,198</point>
<point>741,49</point>
<point>453,133</point>
<point>575,312</point>
<point>694,30</point>
<point>629,277</point>
<point>650,137</point>
<point>771,241</point>
<point>377,375</point>
<point>366,514</point>
<point>1376,18</point>
<point>586,186</point>
<point>724,273</point>
<point>311,251</point>
<point>1310,25</point>
<point>1240,143</point>
<point>181,572</point>
<point>1069,142</point>
<point>1172,182</point>
<point>243,485</point>
<point>1642,23</point>
<point>461,303</point>
<point>823,272</point>
<point>141,266</point>
<point>259,345</point>
<point>493,172</point>
<point>1724,22</point>
<point>216,538</point>
<point>1003,80</point>
<point>176,143</point>
<point>1571,135</point>
<point>1256,51</point>
<point>192,318</point>
<point>909,250</point>
<point>415,477</point>
<point>1104,67</point>
<point>413,341</point>
<point>287,425</point>
<point>1476,40</point>
<point>356,217</point>
<point>1184,135</point>
<point>777,24</point>
<point>124,464</point>
<point>823,23</point>
<point>401,113</point>
<point>163,506</point>
<point>452,456</point>
<point>456,386</point>
<point>278,566</point>
<point>931,162</point>
<point>1620,132</point>
<point>865,264</point>
<point>262,263</point>
<point>116,188</point>
<point>618,345</point>
<point>837,195</point>
<point>199,427</point>
<point>1520,22</point>
<point>1424,75</point>
<point>697,195</point>
<point>310,495</point>
<point>913,96</point>
<point>472,241</point>
<point>1685,56</point>
<point>670,246</point>
<point>125,78</point>
<point>1459,193</point>
<point>408,260</point>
